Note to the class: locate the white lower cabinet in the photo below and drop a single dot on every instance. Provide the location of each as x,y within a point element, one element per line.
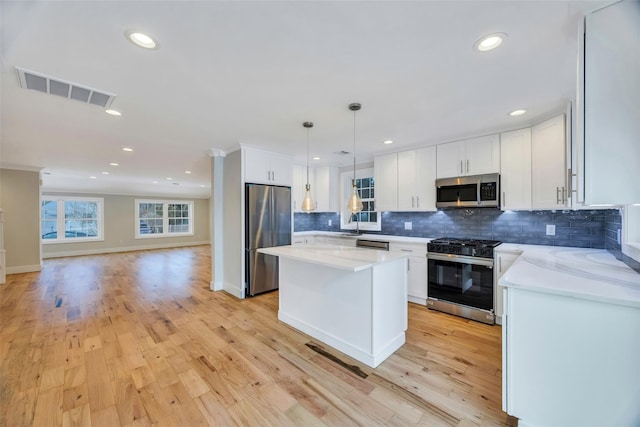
<point>569,361</point>
<point>417,270</point>
<point>502,261</point>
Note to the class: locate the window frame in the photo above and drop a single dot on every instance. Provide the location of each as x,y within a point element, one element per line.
<point>631,231</point>
<point>345,192</point>
<point>165,219</point>
<point>60,219</point>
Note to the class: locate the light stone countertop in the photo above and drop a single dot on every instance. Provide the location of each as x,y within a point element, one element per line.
<point>383,237</point>
<point>334,256</point>
<point>592,274</point>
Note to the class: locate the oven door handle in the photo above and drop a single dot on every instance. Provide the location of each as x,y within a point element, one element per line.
<point>486,262</point>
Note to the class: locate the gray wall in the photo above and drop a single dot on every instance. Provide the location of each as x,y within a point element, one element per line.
<point>119,228</point>
<point>20,199</point>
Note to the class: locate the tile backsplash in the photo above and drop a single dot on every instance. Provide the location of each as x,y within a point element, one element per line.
<point>584,229</point>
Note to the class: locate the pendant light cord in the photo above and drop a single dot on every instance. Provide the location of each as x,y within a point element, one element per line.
<point>354,148</point>
<point>307,157</point>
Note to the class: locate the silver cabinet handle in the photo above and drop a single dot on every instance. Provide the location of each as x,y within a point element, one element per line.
<point>564,195</point>
<point>504,200</point>
<point>408,265</point>
<point>500,264</point>
<point>557,195</point>
<point>461,171</point>
<point>417,201</point>
<point>467,166</point>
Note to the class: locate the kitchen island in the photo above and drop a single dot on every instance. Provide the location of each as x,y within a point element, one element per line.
<point>352,299</point>
<point>571,338</point>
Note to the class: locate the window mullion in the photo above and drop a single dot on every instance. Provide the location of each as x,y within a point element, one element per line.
<point>165,218</point>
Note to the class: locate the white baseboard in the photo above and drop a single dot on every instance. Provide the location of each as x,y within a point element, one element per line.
<point>216,286</point>
<point>24,269</point>
<point>234,290</point>
<point>122,249</point>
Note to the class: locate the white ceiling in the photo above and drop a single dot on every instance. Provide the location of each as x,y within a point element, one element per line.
<point>252,72</point>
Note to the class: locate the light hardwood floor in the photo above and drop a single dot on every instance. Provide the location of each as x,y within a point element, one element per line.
<point>138,339</point>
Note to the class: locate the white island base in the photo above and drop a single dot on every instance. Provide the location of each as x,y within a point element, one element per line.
<point>357,304</point>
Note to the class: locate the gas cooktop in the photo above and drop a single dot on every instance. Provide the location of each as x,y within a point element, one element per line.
<point>468,247</point>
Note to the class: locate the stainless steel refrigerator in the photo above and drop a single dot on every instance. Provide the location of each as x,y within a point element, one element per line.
<point>267,224</point>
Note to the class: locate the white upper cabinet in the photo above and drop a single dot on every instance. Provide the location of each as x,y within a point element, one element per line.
<point>326,189</point>
<point>515,169</point>
<point>265,167</point>
<point>405,181</point>
<point>474,156</point>
<point>549,165</point>
<point>298,187</point>
<point>608,151</point>
<point>417,180</point>
<point>386,175</point>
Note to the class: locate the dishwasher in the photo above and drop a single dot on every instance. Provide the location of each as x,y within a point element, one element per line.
<point>372,244</point>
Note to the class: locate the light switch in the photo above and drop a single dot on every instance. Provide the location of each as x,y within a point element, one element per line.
<point>329,222</point>
<point>408,225</point>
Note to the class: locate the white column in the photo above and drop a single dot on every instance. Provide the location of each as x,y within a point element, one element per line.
<point>216,204</point>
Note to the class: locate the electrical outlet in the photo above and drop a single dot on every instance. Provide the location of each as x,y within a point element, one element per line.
<point>551,230</point>
<point>329,223</point>
<point>408,226</point>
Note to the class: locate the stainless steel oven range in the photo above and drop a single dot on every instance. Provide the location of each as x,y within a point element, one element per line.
<point>461,277</point>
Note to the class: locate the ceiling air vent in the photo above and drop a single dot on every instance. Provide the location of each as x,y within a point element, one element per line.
<point>341,153</point>
<point>54,86</point>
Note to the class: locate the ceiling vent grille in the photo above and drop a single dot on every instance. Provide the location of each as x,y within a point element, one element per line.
<point>54,86</point>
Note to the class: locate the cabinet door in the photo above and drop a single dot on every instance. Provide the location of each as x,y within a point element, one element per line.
<point>407,180</point>
<point>482,155</point>
<point>257,168</point>
<point>281,170</point>
<point>298,187</point>
<point>548,164</point>
<point>450,159</point>
<point>327,191</point>
<point>386,176</point>
<point>417,279</point>
<point>425,178</point>
<point>503,261</point>
<point>608,164</point>
<point>515,169</point>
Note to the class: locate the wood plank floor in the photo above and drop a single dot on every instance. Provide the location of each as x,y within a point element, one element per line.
<point>138,339</point>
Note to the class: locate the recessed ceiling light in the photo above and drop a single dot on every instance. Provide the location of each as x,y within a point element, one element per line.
<point>202,185</point>
<point>154,182</point>
<point>127,149</point>
<point>187,171</point>
<point>113,164</point>
<point>105,173</point>
<point>92,177</point>
<point>316,158</point>
<point>113,112</point>
<point>517,112</point>
<point>141,39</point>
<point>489,42</point>
<point>388,141</point>
<point>169,178</point>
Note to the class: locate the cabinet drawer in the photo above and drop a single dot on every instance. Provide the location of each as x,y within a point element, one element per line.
<point>414,249</point>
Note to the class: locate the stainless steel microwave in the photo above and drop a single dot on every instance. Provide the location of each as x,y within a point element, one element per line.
<point>469,191</point>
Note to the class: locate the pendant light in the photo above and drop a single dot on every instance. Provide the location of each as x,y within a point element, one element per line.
<point>307,202</point>
<point>354,205</point>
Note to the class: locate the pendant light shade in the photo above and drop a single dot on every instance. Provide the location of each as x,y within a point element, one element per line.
<point>307,202</point>
<point>354,205</point>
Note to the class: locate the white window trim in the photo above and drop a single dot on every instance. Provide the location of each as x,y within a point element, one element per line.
<point>60,219</point>
<point>165,219</point>
<point>631,228</point>
<point>345,192</point>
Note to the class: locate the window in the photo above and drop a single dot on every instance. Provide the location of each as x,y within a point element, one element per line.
<point>631,228</point>
<point>368,218</point>
<point>163,218</point>
<point>71,219</point>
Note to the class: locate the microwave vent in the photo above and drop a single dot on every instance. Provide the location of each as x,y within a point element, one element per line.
<point>55,86</point>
